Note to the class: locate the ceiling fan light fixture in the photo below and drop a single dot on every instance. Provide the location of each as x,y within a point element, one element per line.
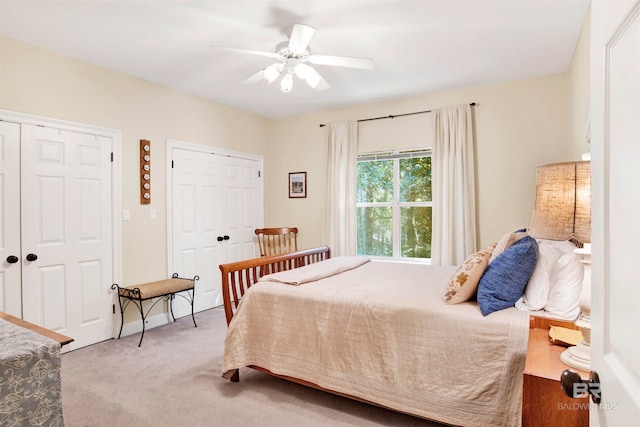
<point>286,84</point>
<point>302,70</point>
<point>272,72</point>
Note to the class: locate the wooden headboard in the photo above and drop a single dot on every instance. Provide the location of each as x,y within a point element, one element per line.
<point>237,277</point>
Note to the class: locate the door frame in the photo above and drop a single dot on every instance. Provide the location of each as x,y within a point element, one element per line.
<point>116,179</point>
<point>173,143</point>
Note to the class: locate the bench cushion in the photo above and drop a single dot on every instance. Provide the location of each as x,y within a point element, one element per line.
<point>159,288</point>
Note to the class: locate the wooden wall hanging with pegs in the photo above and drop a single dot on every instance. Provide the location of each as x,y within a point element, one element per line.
<point>145,172</point>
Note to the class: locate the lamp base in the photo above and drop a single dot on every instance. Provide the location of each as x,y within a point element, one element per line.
<point>578,357</point>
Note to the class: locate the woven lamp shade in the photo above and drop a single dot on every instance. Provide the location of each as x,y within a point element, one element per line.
<point>563,202</point>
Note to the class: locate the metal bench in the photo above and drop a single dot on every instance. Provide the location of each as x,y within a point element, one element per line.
<point>164,289</point>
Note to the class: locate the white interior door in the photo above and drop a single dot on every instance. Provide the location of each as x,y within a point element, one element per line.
<point>214,205</point>
<point>615,104</point>
<point>240,209</point>
<point>196,211</point>
<point>66,232</point>
<point>10,268</point>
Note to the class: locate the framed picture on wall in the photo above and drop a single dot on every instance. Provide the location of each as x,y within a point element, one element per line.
<point>297,185</point>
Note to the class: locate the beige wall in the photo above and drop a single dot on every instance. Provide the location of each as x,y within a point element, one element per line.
<point>37,81</point>
<point>579,76</point>
<point>518,125</point>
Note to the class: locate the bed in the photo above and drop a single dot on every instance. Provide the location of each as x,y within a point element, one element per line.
<point>379,332</point>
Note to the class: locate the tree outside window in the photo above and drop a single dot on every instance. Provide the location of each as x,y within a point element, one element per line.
<point>394,203</point>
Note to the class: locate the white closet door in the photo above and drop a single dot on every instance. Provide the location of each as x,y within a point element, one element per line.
<point>10,268</point>
<point>214,209</point>
<point>240,209</point>
<point>66,224</point>
<point>196,211</point>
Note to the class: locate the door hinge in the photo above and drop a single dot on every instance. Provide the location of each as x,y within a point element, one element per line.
<point>258,174</point>
<point>171,164</point>
<point>112,156</point>
<point>113,308</point>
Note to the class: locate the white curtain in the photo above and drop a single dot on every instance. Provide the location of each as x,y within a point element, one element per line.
<point>453,186</point>
<point>340,217</point>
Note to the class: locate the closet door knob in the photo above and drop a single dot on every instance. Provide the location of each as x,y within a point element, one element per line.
<point>220,238</point>
<point>226,237</point>
<point>12,259</point>
<point>32,257</point>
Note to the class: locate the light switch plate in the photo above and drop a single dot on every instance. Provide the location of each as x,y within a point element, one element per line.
<point>126,215</point>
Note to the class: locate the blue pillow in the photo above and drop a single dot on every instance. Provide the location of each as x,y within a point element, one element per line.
<point>503,282</point>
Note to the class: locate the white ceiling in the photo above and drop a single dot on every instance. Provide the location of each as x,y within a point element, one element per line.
<point>418,46</point>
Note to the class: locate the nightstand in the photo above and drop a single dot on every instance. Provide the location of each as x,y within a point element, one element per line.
<point>543,402</point>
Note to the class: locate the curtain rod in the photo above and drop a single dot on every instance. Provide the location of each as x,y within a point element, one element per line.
<point>473,104</point>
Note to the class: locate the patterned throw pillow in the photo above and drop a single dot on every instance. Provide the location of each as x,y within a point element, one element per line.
<point>487,252</point>
<point>506,277</point>
<point>464,283</point>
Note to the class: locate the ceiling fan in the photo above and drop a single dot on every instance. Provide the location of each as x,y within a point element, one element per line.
<point>294,57</point>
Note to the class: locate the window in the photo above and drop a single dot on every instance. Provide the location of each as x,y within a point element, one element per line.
<point>393,205</point>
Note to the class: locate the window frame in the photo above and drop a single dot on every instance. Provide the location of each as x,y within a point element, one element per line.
<point>396,205</point>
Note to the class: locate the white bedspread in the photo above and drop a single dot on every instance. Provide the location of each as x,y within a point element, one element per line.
<point>382,332</point>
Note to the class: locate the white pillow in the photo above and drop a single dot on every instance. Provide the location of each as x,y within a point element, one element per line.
<point>536,294</point>
<point>563,246</point>
<point>566,285</point>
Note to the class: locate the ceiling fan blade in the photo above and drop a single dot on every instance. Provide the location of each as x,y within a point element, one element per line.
<point>249,51</point>
<point>343,61</point>
<point>322,85</point>
<point>257,77</point>
<point>300,37</point>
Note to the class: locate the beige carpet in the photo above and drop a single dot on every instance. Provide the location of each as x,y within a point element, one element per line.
<point>174,380</point>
